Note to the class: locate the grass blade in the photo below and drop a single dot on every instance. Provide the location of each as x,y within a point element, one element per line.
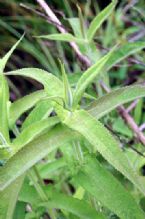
<point>99,19</point>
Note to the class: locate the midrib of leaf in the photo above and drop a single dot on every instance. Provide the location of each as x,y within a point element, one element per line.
<point>104,143</point>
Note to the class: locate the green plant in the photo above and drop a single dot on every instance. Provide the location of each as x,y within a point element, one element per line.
<point>64,132</point>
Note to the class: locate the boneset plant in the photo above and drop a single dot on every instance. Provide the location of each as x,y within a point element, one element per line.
<point>62,139</point>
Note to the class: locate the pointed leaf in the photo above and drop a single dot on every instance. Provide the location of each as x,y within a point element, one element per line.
<point>123,52</point>
<point>99,19</point>
<point>67,89</point>
<point>4,60</point>
<point>110,101</point>
<point>67,37</point>
<point>88,76</point>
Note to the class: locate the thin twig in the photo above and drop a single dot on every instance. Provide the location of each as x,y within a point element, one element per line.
<point>83,59</point>
<point>142,127</point>
<point>132,106</point>
<point>122,111</point>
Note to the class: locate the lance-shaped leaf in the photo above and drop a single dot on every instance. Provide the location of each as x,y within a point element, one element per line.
<point>40,112</point>
<point>99,19</point>
<point>52,84</point>
<point>108,190</point>
<point>9,198</point>
<point>4,94</point>
<point>33,152</point>
<point>4,60</point>
<point>32,131</point>
<point>67,37</point>
<point>23,104</point>
<point>88,77</point>
<point>104,143</point>
<point>123,52</point>
<point>110,101</point>
<point>68,98</point>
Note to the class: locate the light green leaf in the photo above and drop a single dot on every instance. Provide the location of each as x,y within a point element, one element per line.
<point>9,198</point>
<point>108,190</point>
<point>110,101</point>
<point>33,131</point>
<point>33,152</point>
<point>67,89</point>
<point>4,98</point>
<point>89,75</point>
<point>22,105</point>
<point>104,65</point>
<point>67,37</point>
<point>104,143</point>
<point>75,24</point>
<point>123,52</point>
<point>40,112</point>
<point>52,84</point>
<point>99,19</point>
<point>4,60</point>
